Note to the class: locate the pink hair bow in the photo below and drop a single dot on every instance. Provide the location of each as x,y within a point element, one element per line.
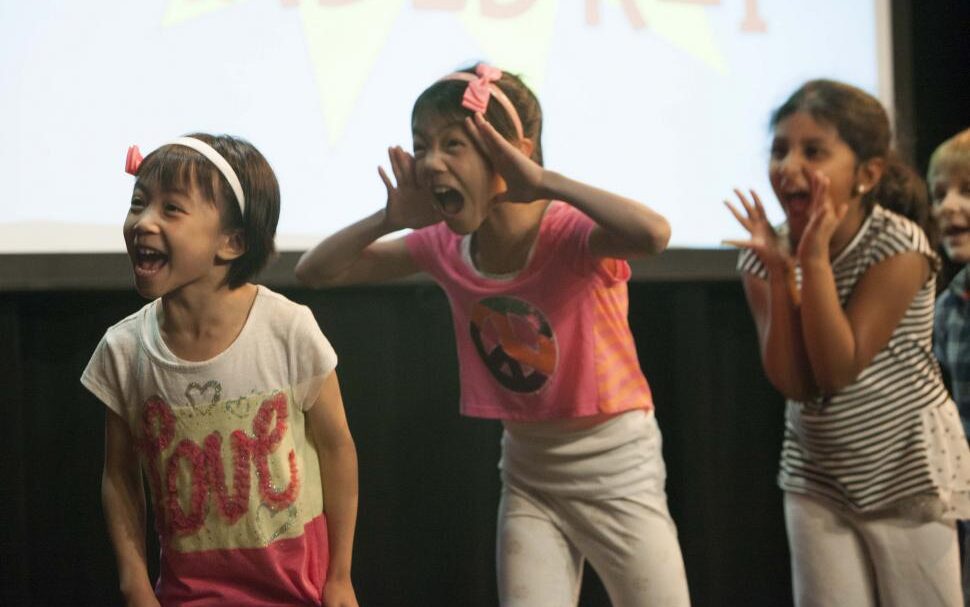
<point>133,160</point>
<point>478,91</point>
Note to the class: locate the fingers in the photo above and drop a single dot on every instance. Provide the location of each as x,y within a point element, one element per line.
<point>495,145</point>
<point>395,164</point>
<point>841,212</point>
<point>823,193</point>
<point>755,210</point>
<point>818,184</point>
<point>809,176</point>
<point>758,246</point>
<point>741,244</point>
<point>408,168</point>
<point>744,202</point>
<point>386,180</point>
<point>815,189</point>
<point>476,135</point>
<point>813,229</point>
<point>401,165</point>
<point>744,221</point>
<point>492,138</point>
<point>757,205</point>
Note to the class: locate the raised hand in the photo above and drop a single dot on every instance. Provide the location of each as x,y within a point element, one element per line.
<point>523,176</point>
<point>410,204</point>
<point>824,218</point>
<point>764,241</point>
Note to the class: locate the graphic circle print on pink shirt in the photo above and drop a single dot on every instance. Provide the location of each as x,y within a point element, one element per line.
<point>515,342</point>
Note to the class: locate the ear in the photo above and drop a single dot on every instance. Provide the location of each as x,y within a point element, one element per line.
<point>233,246</point>
<point>526,146</point>
<point>869,173</point>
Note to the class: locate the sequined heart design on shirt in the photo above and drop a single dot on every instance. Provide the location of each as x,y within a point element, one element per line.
<point>276,521</point>
<point>202,398</point>
<point>241,407</point>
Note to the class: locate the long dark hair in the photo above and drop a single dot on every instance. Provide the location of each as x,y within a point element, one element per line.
<point>863,124</point>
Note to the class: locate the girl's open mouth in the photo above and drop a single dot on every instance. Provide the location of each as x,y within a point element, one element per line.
<point>450,201</point>
<point>797,203</point>
<point>148,261</point>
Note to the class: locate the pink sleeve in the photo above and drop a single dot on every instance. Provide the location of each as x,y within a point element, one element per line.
<point>571,229</point>
<point>422,244</point>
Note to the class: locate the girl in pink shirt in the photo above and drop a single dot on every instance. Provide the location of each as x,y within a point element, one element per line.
<point>534,265</point>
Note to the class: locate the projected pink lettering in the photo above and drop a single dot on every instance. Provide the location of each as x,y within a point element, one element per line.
<point>510,9</point>
<point>752,21</point>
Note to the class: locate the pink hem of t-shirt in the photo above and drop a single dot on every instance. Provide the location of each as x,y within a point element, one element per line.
<point>287,572</point>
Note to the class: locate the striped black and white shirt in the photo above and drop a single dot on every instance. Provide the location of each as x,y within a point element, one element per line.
<point>866,446</point>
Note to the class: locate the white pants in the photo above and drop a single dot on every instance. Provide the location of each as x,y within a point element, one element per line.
<point>964,527</point>
<point>544,537</point>
<point>842,558</point>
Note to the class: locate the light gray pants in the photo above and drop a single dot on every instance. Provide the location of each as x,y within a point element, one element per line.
<point>545,537</point>
<point>841,558</point>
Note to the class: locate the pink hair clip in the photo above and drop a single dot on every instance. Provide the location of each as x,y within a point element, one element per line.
<point>133,160</point>
<point>480,90</point>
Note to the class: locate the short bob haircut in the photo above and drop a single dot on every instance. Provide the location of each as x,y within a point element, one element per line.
<point>173,167</point>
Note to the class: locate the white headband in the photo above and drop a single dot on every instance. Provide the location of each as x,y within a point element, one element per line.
<point>215,158</point>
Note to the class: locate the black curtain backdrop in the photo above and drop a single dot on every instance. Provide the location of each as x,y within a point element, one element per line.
<point>428,478</point>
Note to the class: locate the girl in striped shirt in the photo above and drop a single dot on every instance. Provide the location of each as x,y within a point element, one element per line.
<point>874,463</point>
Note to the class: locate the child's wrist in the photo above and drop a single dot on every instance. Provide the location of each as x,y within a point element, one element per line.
<point>338,574</point>
<point>383,223</point>
<point>783,277</point>
<point>781,268</point>
<point>551,186</point>
<point>813,265</point>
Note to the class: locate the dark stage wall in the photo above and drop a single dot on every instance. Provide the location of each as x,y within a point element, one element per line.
<point>429,485</point>
<point>428,478</point>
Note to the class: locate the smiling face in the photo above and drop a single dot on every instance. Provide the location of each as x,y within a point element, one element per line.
<point>175,240</point>
<point>950,193</point>
<point>449,161</point>
<point>803,143</point>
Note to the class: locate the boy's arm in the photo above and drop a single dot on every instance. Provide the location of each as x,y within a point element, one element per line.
<point>123,500</point>
<point>338,475</point>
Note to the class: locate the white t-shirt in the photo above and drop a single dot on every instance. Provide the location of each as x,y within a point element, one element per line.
<point>224,442</point>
